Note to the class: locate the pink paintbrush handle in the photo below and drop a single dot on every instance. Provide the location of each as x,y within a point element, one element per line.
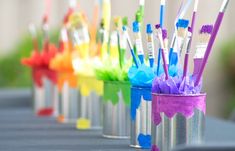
<point>193,21</point>
<point>197,65</point>
<point>165,66</point>
<point>209,47</point>
<point>186,58</point>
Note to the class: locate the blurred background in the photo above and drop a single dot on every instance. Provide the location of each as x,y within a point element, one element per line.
<point>15,42</point>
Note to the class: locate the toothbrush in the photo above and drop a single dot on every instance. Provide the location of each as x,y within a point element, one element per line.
<point>204,37</point>
<point>150,45</point>
<point>212,39</point>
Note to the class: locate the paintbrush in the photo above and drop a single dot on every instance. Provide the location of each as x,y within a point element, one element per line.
<point>173,54</point>
<point>182,27</point>
<point>162,34</point>
<point>186,58</point>
<point>33,33</point>
<point>204,37</point>
<point>150,45</point>
<point>212,40</point>
<point>138,42</point>
<point>125,32</point>
<point>162,15</point>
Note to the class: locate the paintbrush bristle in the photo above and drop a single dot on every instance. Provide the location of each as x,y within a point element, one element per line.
<point>164,34</point>
<point>205,33</point>
<point>182,26</point>
<point>157,26</point>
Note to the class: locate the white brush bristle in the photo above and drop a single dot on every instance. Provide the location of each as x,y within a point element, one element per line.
<point>181,32</point>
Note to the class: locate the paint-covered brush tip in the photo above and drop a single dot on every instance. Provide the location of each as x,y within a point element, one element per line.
<point>123,28</point>
<point>136,27</point>
<point>125,21</point>
<point>138,17</point>
<point>149,29</point>
<point>164,34</point>
<point>190,29</point>
<point>206,29</point>
<point>157,26</point>
<point>182,23</point>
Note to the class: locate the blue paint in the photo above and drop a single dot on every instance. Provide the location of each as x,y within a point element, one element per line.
<point>182,23</point>
<point>136,27</point>
<point>174,58</point>
<point>151,62</point>
<point>144,141</point>
<point>149,29</point>
<point>136,94</point>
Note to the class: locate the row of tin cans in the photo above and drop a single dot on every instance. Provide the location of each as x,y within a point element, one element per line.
<point>155,121</point>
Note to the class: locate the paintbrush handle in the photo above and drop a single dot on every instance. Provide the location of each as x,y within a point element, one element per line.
<point>186,58</point>
<point>165,66</point>
<point>158,61</point>
<point>209,47</point>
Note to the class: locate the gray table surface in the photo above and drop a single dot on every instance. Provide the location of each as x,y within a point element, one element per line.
<point>21,130</point>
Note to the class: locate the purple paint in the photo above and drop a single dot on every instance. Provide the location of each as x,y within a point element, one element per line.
<point>175,85</point>
<point>171,105</point>
<point>155,148</point>
<point>157,26</point>
<point>164,34</point>
<point>206,29</point>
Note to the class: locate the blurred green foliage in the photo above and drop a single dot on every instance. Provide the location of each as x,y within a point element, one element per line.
<point>228,65</point>
<point>12,72</point>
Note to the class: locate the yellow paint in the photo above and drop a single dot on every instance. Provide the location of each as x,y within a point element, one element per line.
<point>89,84</point>
<point>83,123</point>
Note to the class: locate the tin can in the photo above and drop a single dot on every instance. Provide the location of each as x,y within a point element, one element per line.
<point>177,120</point>
<point>90,104</point>
<point>89,115</point>
<point>69,104</point>
<point>44,97</point>
<point>116,110</point>
<point>141,106</point>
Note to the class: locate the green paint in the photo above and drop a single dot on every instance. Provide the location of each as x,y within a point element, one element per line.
<point>113,88</point>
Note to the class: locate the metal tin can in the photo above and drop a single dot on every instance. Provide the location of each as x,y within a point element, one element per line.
<point>69,104</point>
<point>89,115</point>
<point>177,120</point>
<point>44,97</point>
<point>141,105</point>
<point>116,111</point>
